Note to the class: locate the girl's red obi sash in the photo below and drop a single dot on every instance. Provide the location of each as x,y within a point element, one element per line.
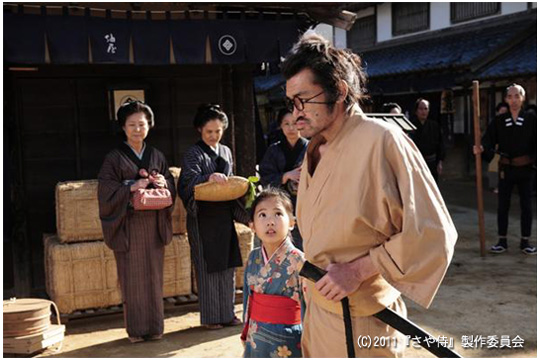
<point>272,309</point>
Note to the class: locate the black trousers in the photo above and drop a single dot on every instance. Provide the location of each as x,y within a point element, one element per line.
<point>509,176</point>
<point>432,165</point>
<point>297,238</point>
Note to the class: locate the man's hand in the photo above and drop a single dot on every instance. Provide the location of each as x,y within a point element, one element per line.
<point>293,175</point>
<point>344,279</point>
<point>477,149</point>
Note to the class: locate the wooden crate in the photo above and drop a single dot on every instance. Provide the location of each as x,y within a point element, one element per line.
<point>84,276</point>
<point>77,212</point>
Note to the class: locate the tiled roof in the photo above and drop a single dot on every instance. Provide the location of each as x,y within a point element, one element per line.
<point>521,60</point>
<point>265,83</point>
<point>444,52</point>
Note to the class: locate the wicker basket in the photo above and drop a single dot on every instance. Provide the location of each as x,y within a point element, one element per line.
<point>179,213</point>
<point>233,189</point>
<point>245,240</point>
<point>77,212</point>
<point>83,275</point>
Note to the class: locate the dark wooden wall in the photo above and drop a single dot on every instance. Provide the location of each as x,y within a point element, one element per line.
<point>58,128</point>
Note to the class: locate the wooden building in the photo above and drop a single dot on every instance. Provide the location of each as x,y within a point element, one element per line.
<point>435,49</point>
<point>65,65</point>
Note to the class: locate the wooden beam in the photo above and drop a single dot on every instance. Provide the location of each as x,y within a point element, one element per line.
<point>478,158</point>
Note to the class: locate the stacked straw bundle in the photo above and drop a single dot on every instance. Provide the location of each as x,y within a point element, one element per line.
<point>80,269</point>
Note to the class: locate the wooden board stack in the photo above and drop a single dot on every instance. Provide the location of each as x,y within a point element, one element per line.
<point>28,328</point>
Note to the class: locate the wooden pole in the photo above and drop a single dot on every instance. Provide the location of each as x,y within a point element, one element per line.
<point>478,160</point>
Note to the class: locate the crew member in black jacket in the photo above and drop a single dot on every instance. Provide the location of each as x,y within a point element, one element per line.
<point>515,134</point>
<point>428,138</point>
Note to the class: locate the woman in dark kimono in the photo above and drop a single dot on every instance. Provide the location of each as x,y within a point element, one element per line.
<point>211,232</point>
<point>138,238</point>
<point>280,166</point>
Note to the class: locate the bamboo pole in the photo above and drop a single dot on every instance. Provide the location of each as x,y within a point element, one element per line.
<point>478,160</point>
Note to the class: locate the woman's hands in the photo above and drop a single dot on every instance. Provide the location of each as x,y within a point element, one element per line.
<point>158,181</point>
<point>139,184</point>
<point>155,178</point>
<point>218,177</point>
<point>293,175</point>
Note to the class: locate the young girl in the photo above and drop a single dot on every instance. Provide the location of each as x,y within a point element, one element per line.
<point>272,287</point>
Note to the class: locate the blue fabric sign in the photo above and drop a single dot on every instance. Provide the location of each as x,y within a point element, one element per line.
<point>24,38</point>
<point>109,39</point>
<point>67,38</point>
<point>227,42</point>
<point>151,42</point>
<point>189,40</point>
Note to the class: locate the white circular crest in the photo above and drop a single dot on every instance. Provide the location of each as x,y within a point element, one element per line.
<point>227,45</point>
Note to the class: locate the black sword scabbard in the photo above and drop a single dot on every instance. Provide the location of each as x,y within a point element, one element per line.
<point>388,316</point>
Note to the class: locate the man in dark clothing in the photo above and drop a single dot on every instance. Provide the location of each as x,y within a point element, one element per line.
<point>515,133</point>
<point>428,138</point>
<point>391,108</point>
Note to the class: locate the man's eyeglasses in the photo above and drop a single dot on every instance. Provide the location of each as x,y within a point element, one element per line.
<point>299,103</point>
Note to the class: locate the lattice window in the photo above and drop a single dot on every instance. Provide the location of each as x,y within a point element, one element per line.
<point>467,11</point>
<point>409,17</point>
<point>363,33</point>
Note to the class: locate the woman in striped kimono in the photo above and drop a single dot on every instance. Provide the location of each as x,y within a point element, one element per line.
<point>138,238</point>
<point>211,232</point>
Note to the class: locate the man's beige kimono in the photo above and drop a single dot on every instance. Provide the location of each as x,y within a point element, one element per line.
<point>371,194</point>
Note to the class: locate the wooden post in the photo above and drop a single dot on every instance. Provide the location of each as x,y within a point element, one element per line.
<point>478,160</point>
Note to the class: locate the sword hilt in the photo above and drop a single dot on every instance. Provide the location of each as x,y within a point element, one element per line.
<point>312,272</point>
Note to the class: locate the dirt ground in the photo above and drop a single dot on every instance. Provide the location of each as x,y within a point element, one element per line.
<point>495,295</point>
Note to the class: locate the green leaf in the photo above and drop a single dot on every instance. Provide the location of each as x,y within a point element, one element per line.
<point>253,179</point>
<point>250,196</point>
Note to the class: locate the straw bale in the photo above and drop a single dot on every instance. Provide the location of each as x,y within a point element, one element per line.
<point>179,213</point>
<point>83,275</point>
<point>177,267</point>
<point>245,240</point>
<point>77,212</point>
<point>194,288</point>
<point>80,275</point>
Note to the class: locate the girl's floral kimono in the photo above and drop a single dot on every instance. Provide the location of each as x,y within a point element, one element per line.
<point>279,276</point>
